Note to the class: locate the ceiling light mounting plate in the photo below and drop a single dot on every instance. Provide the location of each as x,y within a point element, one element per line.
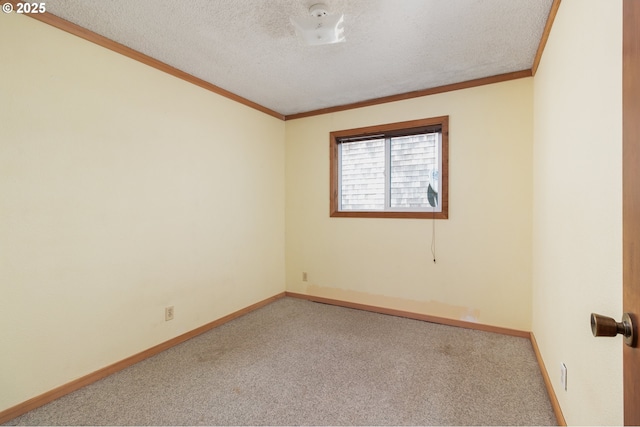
<point>318,10</point>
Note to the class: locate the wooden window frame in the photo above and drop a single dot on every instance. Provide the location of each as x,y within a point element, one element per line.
<point>400,127</point>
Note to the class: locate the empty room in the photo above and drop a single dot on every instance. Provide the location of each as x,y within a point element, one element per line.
<point>296,212</point>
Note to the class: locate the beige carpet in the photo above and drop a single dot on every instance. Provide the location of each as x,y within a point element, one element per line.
<point>295,362</point>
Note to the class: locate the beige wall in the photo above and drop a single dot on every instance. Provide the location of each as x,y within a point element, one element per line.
<point>122,190</point>
<point>577,255</point>
<point>483,269</point>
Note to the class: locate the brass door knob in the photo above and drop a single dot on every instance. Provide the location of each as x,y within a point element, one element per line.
<point>602,326</point>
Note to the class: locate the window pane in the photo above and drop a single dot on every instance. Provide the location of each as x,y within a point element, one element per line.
<point>414,166</point>
<point>362,175</point>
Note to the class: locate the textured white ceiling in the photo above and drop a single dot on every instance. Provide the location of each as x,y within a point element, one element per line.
<point>249,47</point>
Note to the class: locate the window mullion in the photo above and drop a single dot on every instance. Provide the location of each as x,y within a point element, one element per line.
<point>387,173</point>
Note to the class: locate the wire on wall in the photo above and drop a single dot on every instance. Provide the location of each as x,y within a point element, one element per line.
<point>433,238</point>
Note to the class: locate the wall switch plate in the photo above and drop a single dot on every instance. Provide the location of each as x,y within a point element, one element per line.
<point>304,276</point>
<point>563,376</point>
<point>168,313</point>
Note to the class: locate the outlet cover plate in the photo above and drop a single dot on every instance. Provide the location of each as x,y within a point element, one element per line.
<point>563,376</point>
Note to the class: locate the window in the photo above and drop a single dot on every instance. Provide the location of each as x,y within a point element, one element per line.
<point>399,170</point>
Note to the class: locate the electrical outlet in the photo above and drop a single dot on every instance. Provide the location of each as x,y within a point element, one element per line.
<point>563,376</point>
<point>168,313</point>
<point>304,276</point>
